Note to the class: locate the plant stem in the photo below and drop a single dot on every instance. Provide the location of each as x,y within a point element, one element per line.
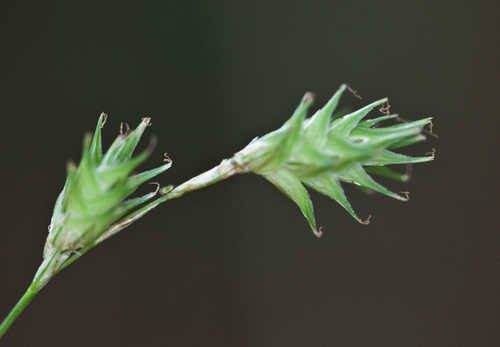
<point>25,300</point>
<point>226,169</point>
<point>46,271</point>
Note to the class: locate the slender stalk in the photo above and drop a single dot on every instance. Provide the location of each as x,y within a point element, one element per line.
<point>226,169</point>
<point>46,271</point>
<point>25,300</point>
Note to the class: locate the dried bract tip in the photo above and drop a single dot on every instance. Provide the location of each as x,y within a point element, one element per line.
<point>166,158</point>
<point>157,187</point>
<point>319,233</point>
<point>103,118</point>
<point>124,128</point>
<point>353,91</point>
<point>308,98</point>
<point>406,196</point>
<point>367,220</point>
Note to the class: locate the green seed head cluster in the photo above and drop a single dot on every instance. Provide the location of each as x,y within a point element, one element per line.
<point>326,149</point>
<point>95,194</point>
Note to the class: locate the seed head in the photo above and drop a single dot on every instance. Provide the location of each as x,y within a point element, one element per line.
<point>96,193</point>
<point>329,148</point>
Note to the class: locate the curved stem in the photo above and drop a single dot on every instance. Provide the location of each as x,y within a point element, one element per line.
<point>25,300</point>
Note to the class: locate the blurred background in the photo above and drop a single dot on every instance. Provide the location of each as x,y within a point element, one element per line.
<point>235,264</point>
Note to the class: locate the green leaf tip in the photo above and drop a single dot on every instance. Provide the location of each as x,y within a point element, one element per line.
<point>97,191</point>
<point>324,151</point>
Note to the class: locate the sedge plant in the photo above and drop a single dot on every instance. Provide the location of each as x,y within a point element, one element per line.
<point>320,152</point>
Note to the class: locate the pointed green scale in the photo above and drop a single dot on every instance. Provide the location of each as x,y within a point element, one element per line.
<point>308,160</point>
<point>87,178</point>
<point>130,204</point>
<point>124,145</point>
<point>292,130</point>
<point>348,151</point>
<point>416,126</point>
<point>291,186</point>
<point>108,201</point>
<point>107,159</point>
<point>142,177</point>
<point>328,185</point>
<point>62,199</point>
<point>96,144</point>
<point>130,142</point>
<point>75,203</point>
<point>358,175</point>
<point>384,138</point>
<point>384,171</point>
<point>421,123</point>
<point>408,141</point>
<point>391,158</point>
<point>317,126</point>
<point>368,123</point>
<point>348,122</point>
<point>127,219</point>
<point>111,174</point>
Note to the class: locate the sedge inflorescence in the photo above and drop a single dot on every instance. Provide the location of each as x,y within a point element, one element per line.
<point>329,148</point>
<point>96,192</point>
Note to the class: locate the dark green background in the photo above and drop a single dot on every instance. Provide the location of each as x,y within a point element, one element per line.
<point>235,265</point>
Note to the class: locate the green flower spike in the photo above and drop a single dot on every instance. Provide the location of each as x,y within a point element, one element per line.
<point>321,152</point>
<point>94,204</point>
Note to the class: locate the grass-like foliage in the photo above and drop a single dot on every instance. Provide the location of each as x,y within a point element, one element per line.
<point>319,152</point>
